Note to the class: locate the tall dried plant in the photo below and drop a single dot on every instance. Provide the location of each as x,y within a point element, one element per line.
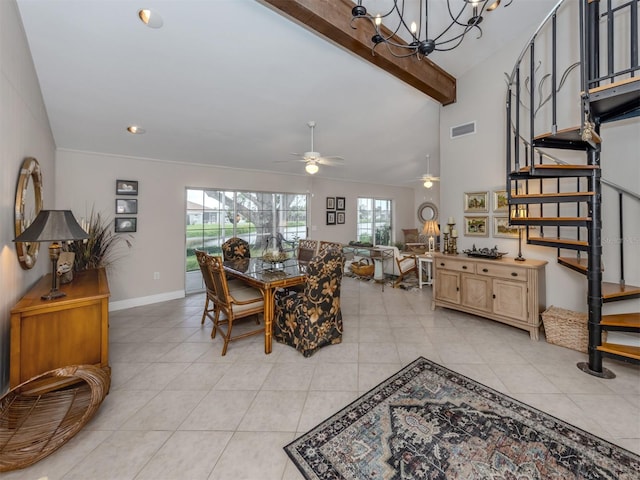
<point>98,250</point>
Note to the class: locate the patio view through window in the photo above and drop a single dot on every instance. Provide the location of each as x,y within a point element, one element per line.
<point>214,216</point>
<point>374,221</point>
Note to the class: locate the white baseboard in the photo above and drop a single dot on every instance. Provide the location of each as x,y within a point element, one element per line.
<point>140,301</point>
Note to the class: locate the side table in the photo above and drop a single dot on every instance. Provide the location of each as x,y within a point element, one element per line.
<point>425,261</point>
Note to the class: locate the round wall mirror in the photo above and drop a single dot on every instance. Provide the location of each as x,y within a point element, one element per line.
<point>28,205</point>
<point>427,211</point>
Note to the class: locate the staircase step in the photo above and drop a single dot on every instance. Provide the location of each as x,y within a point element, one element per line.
<point>559,243</point>
<point>621,351</point>
<point>577,264</point>
<point>552,170</point>
<point>616,100</point>
<point>613,292</point>
<point>551,198</point>
<point>622,322</point>
<point>566,139</point>
<point>551,221</point>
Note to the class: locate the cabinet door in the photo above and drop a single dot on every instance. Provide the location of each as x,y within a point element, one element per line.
<point>510,299</point>
<point>476,292</point>
<point>448,286</point>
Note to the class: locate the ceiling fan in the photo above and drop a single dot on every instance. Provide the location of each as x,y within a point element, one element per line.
<point>313,158</point>
<point>427,179</point>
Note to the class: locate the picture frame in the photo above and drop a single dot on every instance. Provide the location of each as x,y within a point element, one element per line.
<point>125,224</point>
<point>126,187</point>
<point>500,201</point>
<point>502,229</point>
<point>476,202</point>
<point>340,218</point>
<point>126,205</point>
<point>331,218</point>
<point>476,226</point>
<point>340,203</point>
<point>331,203</point>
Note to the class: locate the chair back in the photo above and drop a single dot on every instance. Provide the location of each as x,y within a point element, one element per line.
<point>235,248</point>
<point>307,249</point>
<point>201,256</point>
<point>324,245</point>
<point>406,264</point>
<point>220,285</point>
<point>324,276</point>
<point>411,235</point>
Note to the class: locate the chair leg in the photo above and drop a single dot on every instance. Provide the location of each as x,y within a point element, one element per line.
<point>227,337</point>
<point>216,324</point>
<point>204,313</point>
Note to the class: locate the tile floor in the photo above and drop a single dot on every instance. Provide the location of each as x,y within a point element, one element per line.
<point>179,410</point>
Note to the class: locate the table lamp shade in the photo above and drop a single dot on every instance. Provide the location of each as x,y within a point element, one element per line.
<point>53,226</point>
<point>431,228</point>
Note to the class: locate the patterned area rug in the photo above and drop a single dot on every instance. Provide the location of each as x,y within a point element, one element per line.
<point>428,422</point>
<point>408,283</point>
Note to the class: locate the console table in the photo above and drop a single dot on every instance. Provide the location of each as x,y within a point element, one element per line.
<point>71,330</point>
<point>505,290</point>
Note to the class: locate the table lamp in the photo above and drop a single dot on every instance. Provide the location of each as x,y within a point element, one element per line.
<point>53,226</point>
<point>431,230</point>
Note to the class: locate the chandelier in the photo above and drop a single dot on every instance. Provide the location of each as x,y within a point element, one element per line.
<point>407,31</point>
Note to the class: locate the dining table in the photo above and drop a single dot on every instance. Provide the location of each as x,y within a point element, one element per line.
<point>268,277</point>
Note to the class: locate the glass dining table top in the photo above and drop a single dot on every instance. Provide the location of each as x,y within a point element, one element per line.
<point>265,272</point>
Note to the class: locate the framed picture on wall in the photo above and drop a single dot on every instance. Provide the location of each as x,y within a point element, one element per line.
<point>476,226</point>
<point>126,187</point>
<point>331,218</point>
<point>126,224</point>
<point>126,205</point>
<point>340,203</point>
<point>331,203</point>
<point>476,202</point>
<point>502,229</point>
<point>500,202</point>
<point>340,217</point>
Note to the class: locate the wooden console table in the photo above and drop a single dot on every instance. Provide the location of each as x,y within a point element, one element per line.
<point>72,330</point>
<point>505,290</point>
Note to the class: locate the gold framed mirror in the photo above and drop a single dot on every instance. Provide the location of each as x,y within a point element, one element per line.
<point>28,205</point>
<point>427,211</point>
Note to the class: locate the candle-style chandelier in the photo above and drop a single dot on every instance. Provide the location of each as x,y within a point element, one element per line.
<point>407,30</point>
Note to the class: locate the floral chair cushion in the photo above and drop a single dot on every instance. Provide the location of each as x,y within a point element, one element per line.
<point>312,318</point>
<point>235,249</point>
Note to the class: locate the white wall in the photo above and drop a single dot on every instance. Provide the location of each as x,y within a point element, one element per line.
<point>87,180</point>
<point>24,132</point>
<point>477,163</point>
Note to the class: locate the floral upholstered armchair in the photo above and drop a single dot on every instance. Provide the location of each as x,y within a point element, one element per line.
<point>312,318</point>
<point>235,249</point>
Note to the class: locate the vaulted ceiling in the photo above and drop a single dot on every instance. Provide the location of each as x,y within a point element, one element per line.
<point>234,83</point>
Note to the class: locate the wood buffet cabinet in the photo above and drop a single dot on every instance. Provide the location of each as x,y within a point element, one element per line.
<point>71,330</point>
<point>505,290</point>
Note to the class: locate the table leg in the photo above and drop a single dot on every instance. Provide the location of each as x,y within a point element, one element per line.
<point>269,306</point>
<point>420,273</point>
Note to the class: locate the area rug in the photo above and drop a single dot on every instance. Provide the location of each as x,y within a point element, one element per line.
<point>428,422</point>
<point>408,283</point>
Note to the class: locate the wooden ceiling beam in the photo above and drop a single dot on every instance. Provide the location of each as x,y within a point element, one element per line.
<point>332,18</point>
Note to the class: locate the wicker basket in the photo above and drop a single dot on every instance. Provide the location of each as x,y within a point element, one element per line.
<point>567,328</point>
<point>40,415</point>
<point>363,267</point>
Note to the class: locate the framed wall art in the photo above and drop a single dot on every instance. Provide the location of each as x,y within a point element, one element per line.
<point>476,202</point>
<point>126,205</point>
<point>476,226</point>
<point>501,227</point>
<point>340,203</point>
<point>331,218</point>
<point>126,224</point>
<point>331,203</point>
<point>500,201</point>
<point>340,218</point>
<point>126,187</point>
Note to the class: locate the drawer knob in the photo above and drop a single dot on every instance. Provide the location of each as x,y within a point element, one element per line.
<point>514,274</point>
<point>464,267</point>
<point>485,270</point>
<point>442,264</point>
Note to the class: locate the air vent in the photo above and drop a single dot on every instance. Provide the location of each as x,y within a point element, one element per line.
<point>462,130</point>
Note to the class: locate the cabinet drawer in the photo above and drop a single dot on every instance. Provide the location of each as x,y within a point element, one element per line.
<point>503,271</point>
<point>457,265</point>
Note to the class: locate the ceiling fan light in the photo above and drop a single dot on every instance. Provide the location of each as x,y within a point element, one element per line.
<point>311,168</point>
<point>428,183</point>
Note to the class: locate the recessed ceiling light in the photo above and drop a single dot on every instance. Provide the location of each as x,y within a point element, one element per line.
<point>135,130</point>
<point>150,18</point>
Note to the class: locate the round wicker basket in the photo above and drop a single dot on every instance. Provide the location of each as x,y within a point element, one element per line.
<point>40,415</point>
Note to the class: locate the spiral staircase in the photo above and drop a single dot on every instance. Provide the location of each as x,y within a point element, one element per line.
<point>560,202</point>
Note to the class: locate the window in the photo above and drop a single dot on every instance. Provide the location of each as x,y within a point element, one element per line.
<point>374,221</point>
<point>214,216</point>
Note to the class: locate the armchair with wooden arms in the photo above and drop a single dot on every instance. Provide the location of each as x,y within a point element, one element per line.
<point>406,264</point>
<point>311,319</point>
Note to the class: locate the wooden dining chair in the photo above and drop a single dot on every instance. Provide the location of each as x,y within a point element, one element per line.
<point>325,245</point>
<point>236,304</point>
<point>307,249</point>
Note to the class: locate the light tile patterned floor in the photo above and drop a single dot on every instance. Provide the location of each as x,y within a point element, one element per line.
<point>179,410</point>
